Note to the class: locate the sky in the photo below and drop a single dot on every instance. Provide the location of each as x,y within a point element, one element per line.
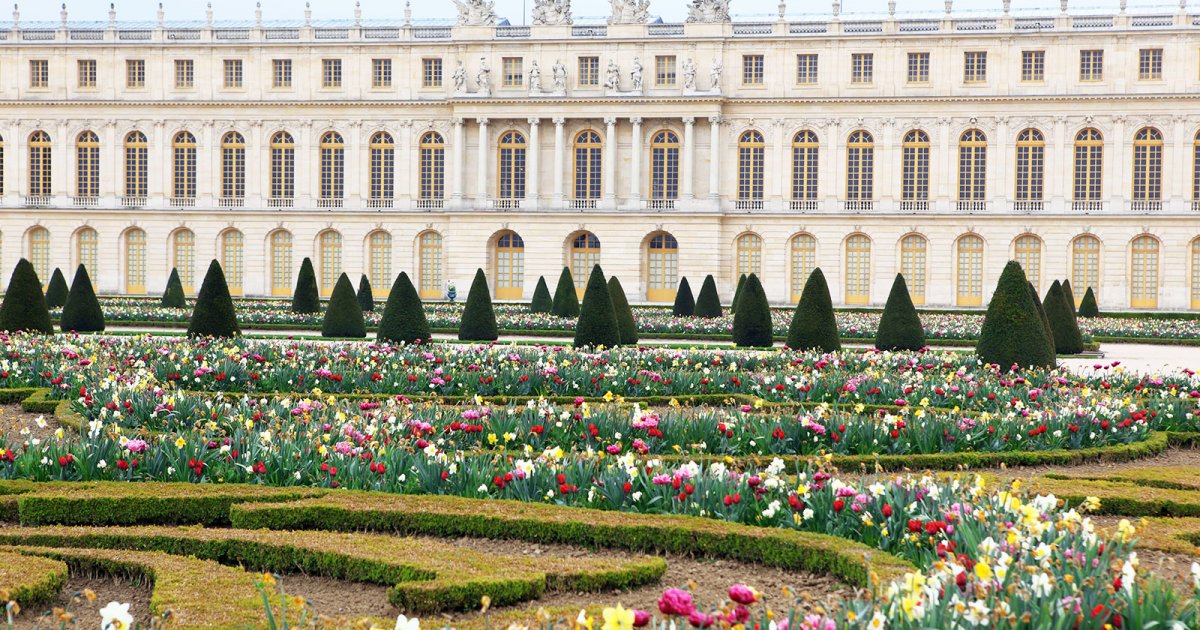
<point>514,10</point>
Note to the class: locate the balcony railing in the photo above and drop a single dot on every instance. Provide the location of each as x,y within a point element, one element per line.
<point>36,201</point>
<point>913,206</point>
<point>658,204</point>
<point>581,204</point>
<point>858,206</point>
<point>429,204</point>
<point>804,205</point>
<point>182,202</point>
<point>1145,206</point>
<point>505,204</point>
<point>133,201</point>
<point>231,202</point>
<point>969,205</point>
<point>1028,207</point>
<point>1087,206</point>
<point>748,204</point>
<point>330,203</point>
<point>85,201</point>
<point>281,202</point>
<point>379,203</point>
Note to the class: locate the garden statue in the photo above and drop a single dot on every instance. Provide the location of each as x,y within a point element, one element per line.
<point>708,11</point>
<point>630,12</point>
<point>551,12</point>
<point>612,81</point>
<point>476,12</point>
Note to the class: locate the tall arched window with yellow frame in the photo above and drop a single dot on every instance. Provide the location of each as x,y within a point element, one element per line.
<point>509,259</point>
<point>283,167</point>
<point>379,262</point>
<point>233,168</point>
<point>333,167</point>
<point>183,258</point>
<point>233,246</point>
<point>430,264</point>
<point>511,171</point>
<point>1147,165</point>
<point>585,254</point>
<point>972,166</point>
<point>39,253</point>
<point>87,165</point>
<point>432,184</point>
<point>589,164</point>
<point>913,256</point>
<point>662,253</point>
<point>749,255</point>
<point>752,152</point>
<point>281,262</point>
<point>1085,266</point>
<point>1143,272</point>
<point>329,260</point>
<point>914,167</point>
<point>40,165</point>
<point>804,260</point>
<point>858,269</point>
<point>135,261</point>
<point>87,251</point>
<point>382,151</point>
<point>969,271</point>
<point>1089,167</point>
<point>860,167</point>
<point>1027,250</point>
<point>183,174</point>
<point>805,166</point>
<point>137,165</point>
<point>664,165</point>
<point>1031,166</point>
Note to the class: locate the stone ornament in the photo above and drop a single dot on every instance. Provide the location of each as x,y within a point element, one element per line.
<point>460,79</point>
<point>476,12</point>
<point>630,12</point>
<point>708,11</point>
<point>535,78</point>
<point>560,77</point>
<point>635,75</point>
<point>552,12</point>
<point>483,79</point>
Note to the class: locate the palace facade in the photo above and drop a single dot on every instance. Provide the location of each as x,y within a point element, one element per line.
<point>938,147</point>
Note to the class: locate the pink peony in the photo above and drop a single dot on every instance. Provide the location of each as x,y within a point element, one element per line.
<point>742,594</point>
<point>676,601</point>
<point>640,618</point>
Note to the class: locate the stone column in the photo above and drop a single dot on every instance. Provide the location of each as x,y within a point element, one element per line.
<point>635,163</point>
<point>481,166</point>
<point>533,186</point>
<point>689,147</point>
<point>714,159</point>
<point>456,178</point>
<point>610,162</point>
<point>559,155</point>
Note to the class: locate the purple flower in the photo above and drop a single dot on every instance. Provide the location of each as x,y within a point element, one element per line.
<point>676,601</point>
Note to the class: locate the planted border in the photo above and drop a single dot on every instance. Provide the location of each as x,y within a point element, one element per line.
<point>30,581</point>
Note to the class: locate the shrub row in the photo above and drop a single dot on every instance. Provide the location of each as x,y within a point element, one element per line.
<point>30,581</point>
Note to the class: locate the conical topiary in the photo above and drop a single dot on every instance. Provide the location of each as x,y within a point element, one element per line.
<point>752,325</point>
<point>478,321</point>
<point>1067,338</point>
<point>366,295</point>
<point>814,326</point>
<point>566,300</point>
<point>82,312</point>
<point>1088,307</point>
<point>1070,295</point>
<point>24,307</point>
<point>306,298</point>
<point>737,293</point>
<point>343,316</point>
<point>597,324</point>
<point>403,318</point>
<point>685,302</point>
<point>708,303</point>
<point>900,327</point>
<point>214,315</point>
<point>1037,302</point>
<point>542,302</point>
<point>56,291</point>
<point>1012,331</point>
<point>625,321</point>
<point>173,296</point>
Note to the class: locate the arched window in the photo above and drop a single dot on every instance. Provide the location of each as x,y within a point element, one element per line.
<point>589,154</point>
<point>87,251</point>
<point>1089,166</point>
<point>663,268</point>
<point>184,258</point>
<point>430,244</point>
<point>383,167</point>
<point>333,168</point>
<point>1195,170</point>
<point>970,270</point>
<point>749,255</point>
<point>137,165</point>
<point>87,164</point>
<point>804,260</point>
<point>39,253</point>
<point>913,253</point>
<point>860,167</point>
<point>379,262</point>
<point>184,160</point>
<point>805,166</point>
<point>510,266</point>
<point>1028,252</point>
<point>1085,266</point>
<point>664,165</point>
<point>329,261</point>
<point>858,269</point>
<point>281,262</point>
<point>585,254</point>
<point>39,165</point>
<point>972,166</point>
<point>1196,273</point>
<point>135,261</point>
<point>752,151</point>
<point>433,167</point>
<point>1031,166</point>
<point>1143,272</point>
<point>1147,165</point>
<point>914,175</point>
<point>283,166</point>
<point>512,165</point>
<point>233,166</point>
<point>233,245</point>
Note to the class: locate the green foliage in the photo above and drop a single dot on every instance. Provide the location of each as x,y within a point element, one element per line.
<point>542,302</point>
<point>403,318</point>
<point>82,312</point>
<point>900,326</point>
<point>343,316</point>
<point>1041,310</point>
<point>685,303</point>
<point>737,293</point>
<point>597,324</point>
<point>478,319</point>
<point>1070,295</point>
<point>214,314</point>
<point>1012,331</point>
<point>566,300</point>
<point>31,581</point>
<point>708,303</point>
<point>24,307</point>
<point>307,298</point>
<point>752,326</point>
<point>1067,338</point>
<point>173,296</point>
<point>366,295</point>
<point>625,321</point>
<point>814,326</point>
<point>1088,307</point>
<point>56,291</point>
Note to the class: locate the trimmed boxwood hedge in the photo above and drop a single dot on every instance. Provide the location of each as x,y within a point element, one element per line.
<point>708,303</point>
<point>30,581</point>
<point>403,319</point>
<point>597,325</point>
<point>542,302</point>
<point>343,315</point>
<point>752,325</point>
<point>56,291</point>
<point>24,306</point>
<point>625,321</point>
<point>566,300</point>
<point>306,298</point>
<point>685,303</point>
<point>478,321</point>
<point>1088,307</point>
<point>214,314</point>
<point>366,295</point>
<point>900,327</point>
<point>814,326</point>
<point>173,296</point>
<point>1013,332</point>
<point>82,312</point>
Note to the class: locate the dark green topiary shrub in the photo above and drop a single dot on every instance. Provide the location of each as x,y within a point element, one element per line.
<point>900,327</point>
<point>566,300</point>
<point>82,312</point>
<point>1067,338</point>
<point>737,293</point>
<point>597,324</point>
<point>752,326</point>
<point>1037,302</point>
<point>1070,295</point>
<point>478,319</point>
<point>542,302</point>
<point>814,326</point>
<point>366,295</point>
<point>173,296</point>
<point>24,307</point>
<point>685,303</point>
<point>1013,332</point>
<point>343,316</point>
<point>625,321</point>
<point>708,303</point>
<point>403,318</point>
<point>56,291</point>
<point>214,315</point>
<point>1088,307</point>
<point>307,298</point>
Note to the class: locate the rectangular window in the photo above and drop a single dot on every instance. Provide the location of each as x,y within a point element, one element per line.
<point>806,69</point>
<point>753,69</point>
<point>331,73</point>
<point>233,74</point>
<point>862,68</point>
<point>381,73</point>
<point>1150,64</point>
<point>1091,65</point>
<point>918,67</point>
<point>589,71</point>
<point>39,73</point>
<point>974,67</point>
<point>185,74</point>
<point>135,73</point>
<point>1033,65</point>
<point>664,70</point>
<point>431,73</point>
<point>514,71</point>
<point>87,73</point>
<point>281,73</point>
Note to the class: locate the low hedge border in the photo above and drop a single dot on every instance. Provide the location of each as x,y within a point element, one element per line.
<point>30,581</point>
<point>1118,497</point>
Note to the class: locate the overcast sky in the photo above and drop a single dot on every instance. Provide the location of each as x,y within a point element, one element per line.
<point>670,10</point>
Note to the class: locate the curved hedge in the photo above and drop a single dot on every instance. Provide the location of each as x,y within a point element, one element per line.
<point>30,581</point>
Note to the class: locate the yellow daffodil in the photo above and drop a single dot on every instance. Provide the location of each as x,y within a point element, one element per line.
<point>618,618</point>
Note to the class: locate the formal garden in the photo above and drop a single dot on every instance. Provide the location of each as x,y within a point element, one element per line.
<point>394,465</point>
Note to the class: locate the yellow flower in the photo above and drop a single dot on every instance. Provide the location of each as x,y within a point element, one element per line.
<point>608,396</point>
<point>180,442</point>
<point>583,620</point>
<point>485,602</point>
<point>267,579</point>
<point>983,571</point>
<point>618,618</point>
